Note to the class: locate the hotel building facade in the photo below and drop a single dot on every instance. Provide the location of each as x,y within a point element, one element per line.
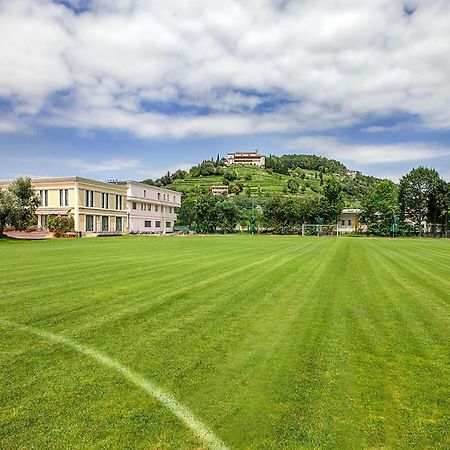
<point>151,209</point>
<point>96,206</point>
<point>99,207</point>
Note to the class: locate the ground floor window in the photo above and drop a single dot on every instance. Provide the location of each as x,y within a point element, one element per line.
<point>148,223</point>
<point>118,223</point>
<point>168,224</point>
<point>89,223</point>
<point>105,225</point>
<point>157,224</point>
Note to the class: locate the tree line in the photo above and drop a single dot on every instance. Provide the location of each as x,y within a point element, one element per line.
<point>421,196</point>
<point>281,213</point>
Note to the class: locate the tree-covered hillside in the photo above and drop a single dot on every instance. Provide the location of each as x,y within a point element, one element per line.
<point>297,175</point>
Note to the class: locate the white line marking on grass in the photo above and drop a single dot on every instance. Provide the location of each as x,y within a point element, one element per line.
<point>179,410</point>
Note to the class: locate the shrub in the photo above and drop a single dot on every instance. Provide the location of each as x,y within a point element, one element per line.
<point>60,224</point>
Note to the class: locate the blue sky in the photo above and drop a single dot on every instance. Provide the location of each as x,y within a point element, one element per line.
<point>131,89</point>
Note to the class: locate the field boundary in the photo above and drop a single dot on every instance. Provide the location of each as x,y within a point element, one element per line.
<point>179,410</point>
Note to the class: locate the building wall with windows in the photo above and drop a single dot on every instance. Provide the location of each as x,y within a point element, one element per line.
<point>151,209</point>
<point>252,157</point>
<point>95,206</point>
<point>348,220</point>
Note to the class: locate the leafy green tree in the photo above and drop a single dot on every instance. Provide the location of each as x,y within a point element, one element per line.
<point>379,206</point>
<point>187,212</point>
<point>333,197</point>
<point>423,196</point>
<point>18,204</point>
<point>8,206</point>
<point>206,219</point>
<point>227,215</point>
<point>293,185</point>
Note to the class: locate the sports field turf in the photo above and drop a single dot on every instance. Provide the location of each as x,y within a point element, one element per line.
<point>249,342</point>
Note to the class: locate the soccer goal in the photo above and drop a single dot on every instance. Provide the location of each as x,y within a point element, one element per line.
<point>310,229</point>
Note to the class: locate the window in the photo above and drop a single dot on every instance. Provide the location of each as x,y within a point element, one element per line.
<point>168,224</point>
<point>118,223</point>
<point>156,208</point>
<point>142,207</point>
<point>148,223</point>
<point>343,222</point>
<point>43,194</point>
<point>145,193</point>
<point>349,222</point>
<point>89,223</point>
<point>64,197</point>
<point>159,195</point>
<point>118,202</point>
<point>105,200</point>
<point>174,199</point>
<point>89,198</point>
<point>150,207</point>
<point>105,223</point>
<point>157,224</point>
<point>134,205</point>
<point>170,210</point>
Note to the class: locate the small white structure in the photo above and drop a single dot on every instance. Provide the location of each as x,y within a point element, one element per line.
<point>348,220</point>
<point>252,157</point>
<point>151,209</point>
<point>220,190</point>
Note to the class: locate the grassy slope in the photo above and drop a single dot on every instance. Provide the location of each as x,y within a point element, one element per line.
<point>268,183</point>
<point>273,341</point>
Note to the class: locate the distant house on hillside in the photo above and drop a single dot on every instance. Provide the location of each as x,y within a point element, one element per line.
<point>253,158</point>
<point>219,190</point>
<point>348,220</point>
<point>352,173</point>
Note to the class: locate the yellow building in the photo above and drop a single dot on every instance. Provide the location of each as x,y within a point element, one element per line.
<point>348,221</point>
<point>97,207</point>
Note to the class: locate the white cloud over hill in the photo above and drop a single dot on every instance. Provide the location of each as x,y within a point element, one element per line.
<point>189,67</point>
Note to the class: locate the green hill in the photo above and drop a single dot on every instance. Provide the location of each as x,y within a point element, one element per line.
<point>299,175</point>
<point>259,181</point>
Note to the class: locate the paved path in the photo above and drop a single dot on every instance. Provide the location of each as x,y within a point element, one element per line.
<point>29,235</point>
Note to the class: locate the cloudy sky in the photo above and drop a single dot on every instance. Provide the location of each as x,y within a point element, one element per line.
<point>133,88</point>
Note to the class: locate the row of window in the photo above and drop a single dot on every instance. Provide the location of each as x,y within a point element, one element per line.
<point>148,224</point>
<point>343,222</point>
<point>165,197</point>
<point>104,223</point>
<point>148,207</point>
<point>89,200</point>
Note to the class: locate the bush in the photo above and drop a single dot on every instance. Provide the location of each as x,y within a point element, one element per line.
<point>60,224</point>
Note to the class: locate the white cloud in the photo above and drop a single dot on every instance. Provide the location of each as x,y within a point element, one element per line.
<point>368,154</point>
<point>335,63</point>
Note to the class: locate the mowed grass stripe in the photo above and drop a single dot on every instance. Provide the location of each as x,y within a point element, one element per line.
<point>277,342</point>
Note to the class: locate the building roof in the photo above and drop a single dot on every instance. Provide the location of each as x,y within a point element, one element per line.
<point>351,211</point>
<point>148,186</point>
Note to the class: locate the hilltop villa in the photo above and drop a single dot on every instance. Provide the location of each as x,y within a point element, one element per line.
<point>253,158</point>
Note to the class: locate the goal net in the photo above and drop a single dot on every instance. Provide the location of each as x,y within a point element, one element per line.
<point>309,229</point>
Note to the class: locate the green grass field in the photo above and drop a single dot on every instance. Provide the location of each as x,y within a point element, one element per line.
<point>258,342</point>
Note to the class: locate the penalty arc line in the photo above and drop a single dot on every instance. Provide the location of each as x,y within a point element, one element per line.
<point>170,402</point>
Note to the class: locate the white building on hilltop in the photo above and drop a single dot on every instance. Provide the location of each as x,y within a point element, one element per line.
<point>151,209</point>
<point>253,158</point>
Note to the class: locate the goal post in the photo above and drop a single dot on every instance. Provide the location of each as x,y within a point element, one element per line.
<point>312,229</point>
